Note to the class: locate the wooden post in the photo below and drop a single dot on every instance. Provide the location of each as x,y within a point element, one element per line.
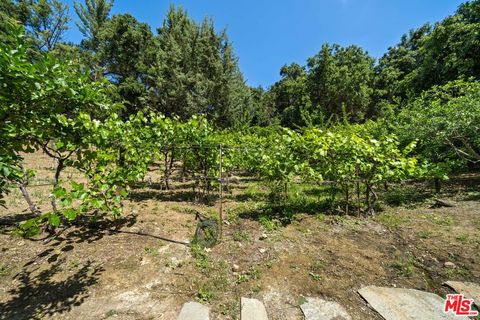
<point>220,180</point>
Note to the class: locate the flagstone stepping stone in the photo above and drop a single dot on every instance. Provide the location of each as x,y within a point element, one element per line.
<point>469,289</point>
<point>406,304</point>
<point>194,311</point>
<point>252,309</point>
<point>319,309</point>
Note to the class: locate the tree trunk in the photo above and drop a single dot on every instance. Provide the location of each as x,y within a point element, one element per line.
<point>166,172</point>
<point>347,198</point>
<point>358,198</point>
<point>60,166</point>
<point>371,199</point>
<point>367,197</point>
<point>438,185</point>
<point>23,188</point>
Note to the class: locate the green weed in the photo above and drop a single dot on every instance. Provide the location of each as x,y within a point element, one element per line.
<point>201,259</point>
<point>315,276</point>
<point>405,267</point>
<point>424,234</point>
<point>443,221</point>
<point>241,236</point>
<point>4,270</point>
<point>152,251</point>
<point>462,237</point>
<point>205,293</point>
<point>392,221</point>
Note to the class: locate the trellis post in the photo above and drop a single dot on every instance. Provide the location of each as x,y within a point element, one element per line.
<point>220,186</point>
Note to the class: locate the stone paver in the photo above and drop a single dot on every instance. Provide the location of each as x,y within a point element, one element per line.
<point>252,309</point>
<point>406,304</point>
<point>194,311</point>
<point>468,289</point>
<point>319,309</point>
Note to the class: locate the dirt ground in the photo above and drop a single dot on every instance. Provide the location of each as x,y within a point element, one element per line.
<point>139,267</point>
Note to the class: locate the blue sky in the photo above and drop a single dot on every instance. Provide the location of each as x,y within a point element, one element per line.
<point>267,34</point>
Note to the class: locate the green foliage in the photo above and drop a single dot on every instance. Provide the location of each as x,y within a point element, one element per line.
<point>393,221</point>
<point>405,267</point>
<point>432,55</point>
<point>405,195</point>
<point>45,21</point>
<point>444,120</point>
<point>196,72</point>
<point>93,15</point>
<point>290,98</point>
<point>126,51</point>
<point>341,79</point>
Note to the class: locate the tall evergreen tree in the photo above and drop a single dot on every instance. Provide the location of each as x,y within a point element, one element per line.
<point>340,81</point>
<point>45,21</point>
<point>197,72</point>
<point>126,54</point>
<point>93,15</point>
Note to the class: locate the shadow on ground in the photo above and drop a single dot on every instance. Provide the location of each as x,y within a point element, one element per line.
<point>173,196</point>
<point>44,291</point>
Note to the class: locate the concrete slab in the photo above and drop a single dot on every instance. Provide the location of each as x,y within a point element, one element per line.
<point>406,304</point>
<point>319,309</point>
<point>468,289</point>
<point>194,311</point>
<point>252,309</point>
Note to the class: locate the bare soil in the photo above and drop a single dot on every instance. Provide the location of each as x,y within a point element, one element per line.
<point>138,267</point>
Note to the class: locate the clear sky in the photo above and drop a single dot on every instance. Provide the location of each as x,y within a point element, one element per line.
<point>267,34</point>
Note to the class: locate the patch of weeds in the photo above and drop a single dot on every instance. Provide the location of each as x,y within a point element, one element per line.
<point>253,273</point>
<point>268,223</point>
<point>321,217</point>
<point>110,313</point>
<point>317,265</point>
<point>201,259</point>
<point>315,276</point>
<point>229,309</point>
<point>462,237</point>
<point>428,281</point>
<point>231,215</point>
<point>443,221</point>
<point>255,289</point>
<point>242,278</point>
<point>424,234</point>
<point>405,195</point>
<point>176,208</point>
<point>392,221</point>
<point>4,270</point>
<point>254,192</point>
<point>404,267</point>
<point>459,272</point>
<point>211,213</point>
<point>305,231</point>
<point>241,236</point>
<point>471,196</point>
<point>355,224</point>
<point>152,251</point>
<point>205,293</point>
<point>269,264</point>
